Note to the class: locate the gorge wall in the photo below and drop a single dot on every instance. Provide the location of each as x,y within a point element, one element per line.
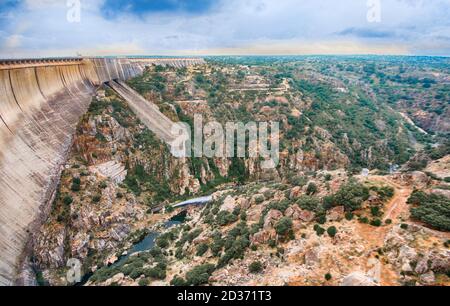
<point>41,102</point>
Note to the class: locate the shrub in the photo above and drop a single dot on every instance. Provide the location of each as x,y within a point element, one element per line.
<point>388,221</point>
<point>319,230</point>
<point>447,179</point>
<point>224,218</point>
<point>283,226</point>
<point>75,187</point>
<point>178,282</point>
<point>103,185</point>
<point>404,226</point>
<point>311,189</point>
<point>328,277</point>
<point>349,216</point>
<point>364,220</point>
<point>272,243</point>
<point>332,231</point>
<point>96,198</point>
<point>255,267</point>
<point>328,177</point>
<point>259,199</point>
<point>143,282</point>
<point>375,211</point>
<point>158,272</point>
<point>309,203</point>
<point>199,275</point>
<point>351,196</point>
<point>76,180</point>
<point>431,209</point>
<point>376,222</point>
<point>202,249</point>
<point>67,200</point>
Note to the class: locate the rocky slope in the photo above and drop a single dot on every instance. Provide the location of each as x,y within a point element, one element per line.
<point>309,222</point>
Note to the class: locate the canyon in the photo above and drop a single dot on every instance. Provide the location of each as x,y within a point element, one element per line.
<point>41,104</point>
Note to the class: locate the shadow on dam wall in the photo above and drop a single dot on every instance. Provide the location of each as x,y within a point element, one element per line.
<point>41,102</point>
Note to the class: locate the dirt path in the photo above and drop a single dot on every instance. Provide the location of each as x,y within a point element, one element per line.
<point>375,237</point>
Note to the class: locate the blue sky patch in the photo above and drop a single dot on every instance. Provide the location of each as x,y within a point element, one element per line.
<point>113,8</point>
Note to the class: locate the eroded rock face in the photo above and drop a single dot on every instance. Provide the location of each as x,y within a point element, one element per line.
<point>263,237</point>
<point>271,218</point>
<point>229,204</point>
<point>296,213</point>
<point>336,214</point>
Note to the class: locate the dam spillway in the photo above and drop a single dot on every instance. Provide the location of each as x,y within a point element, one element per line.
<point>41,102</point>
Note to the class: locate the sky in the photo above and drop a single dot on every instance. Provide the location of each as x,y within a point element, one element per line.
<point>40,28</point>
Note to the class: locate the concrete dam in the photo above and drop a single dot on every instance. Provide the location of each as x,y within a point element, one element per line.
<point>41,102</point>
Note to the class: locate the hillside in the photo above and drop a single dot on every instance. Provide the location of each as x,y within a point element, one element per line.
<point>314,220</point>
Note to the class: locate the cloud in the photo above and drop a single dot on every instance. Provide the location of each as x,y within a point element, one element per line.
<point>366,33</point>
<point>257,26</point>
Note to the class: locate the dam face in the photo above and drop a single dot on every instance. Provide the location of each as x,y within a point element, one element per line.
<point>41,102</point>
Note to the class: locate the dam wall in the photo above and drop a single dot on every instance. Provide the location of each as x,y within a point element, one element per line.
<point>41,102</point>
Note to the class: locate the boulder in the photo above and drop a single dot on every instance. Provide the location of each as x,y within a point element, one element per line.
<point>422,266</point>
<point>336,214</point>
<point>356,279</point>
<point>263,237</point>
<point>254,214</point>
<point>229,204</point>
<point>271,218</point>
<point>428,278</point>
<point>295,192</point>
<point>296,213</point>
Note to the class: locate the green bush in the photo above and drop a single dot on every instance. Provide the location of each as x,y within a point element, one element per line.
<point>431,209</point>
<point>75,187</point>
<point>96,198</point>
<point>376,222</point>
<point>319,230</point>
<point>255,267</point>
<point>349,216</point>
<point>309,203</point>
<point>224,218</point>
<point>158,272</point>
<point>67,200</point>
<point>332,231</point>
<point>311,189</point>
<point>388,221</point>
<point>178,282</point>
<point>404,226</point>
<point>143,282</point>
<point>328,277</point>
<point>202,249</point>
<point>199,275</point>
<point>375,211</point>
<point>283,226</point>
<point>351,196</point>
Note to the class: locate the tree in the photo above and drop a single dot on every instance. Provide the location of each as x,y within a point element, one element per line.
<point>311,189</point>
<point>332,231</point>
<point>255,267</point>
<point>328,276</point>
<point>199,275</point>
<point>309,203</point>
<point>68,200</point>
<point>351,196</point>
<point>178,282</point>
<point>202,249</point>
<point>283,226</point>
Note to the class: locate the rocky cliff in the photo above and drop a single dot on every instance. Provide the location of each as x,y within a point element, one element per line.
<point>41,103</point>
